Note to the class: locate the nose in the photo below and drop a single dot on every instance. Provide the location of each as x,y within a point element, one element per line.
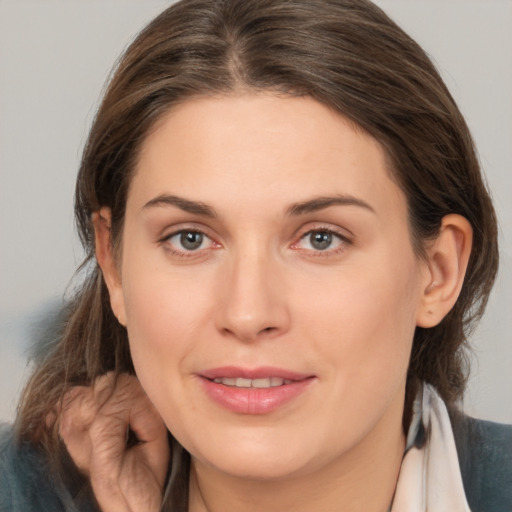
<point>253,302</point>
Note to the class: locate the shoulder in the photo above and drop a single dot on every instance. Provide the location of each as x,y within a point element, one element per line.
<point>484,449</point>
<point>26,482</point>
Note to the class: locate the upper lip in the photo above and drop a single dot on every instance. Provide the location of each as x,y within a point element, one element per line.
<point>261,372</point>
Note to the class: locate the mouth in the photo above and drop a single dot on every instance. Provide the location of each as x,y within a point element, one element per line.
<point>264,383</point>
<point>254,391</point>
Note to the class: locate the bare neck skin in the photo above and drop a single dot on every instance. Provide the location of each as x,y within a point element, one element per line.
<point>363,479</point>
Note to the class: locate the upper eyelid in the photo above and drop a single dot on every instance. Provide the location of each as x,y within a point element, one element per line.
<point>176,251</point>
<point>325,230</point>
<point>180,231</point>
<point>170,231</point>
<point>344,241</point>
<point>341,237</point>
<point>342,232</point>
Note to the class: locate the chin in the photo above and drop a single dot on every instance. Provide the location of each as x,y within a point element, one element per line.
<point>259,467</point>
<point>256,457</point>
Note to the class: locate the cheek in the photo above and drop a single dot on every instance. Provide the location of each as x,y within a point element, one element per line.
<point>162,313</point>
<point>363,321</point>
<point>169,316</point>
<point>162,330</point>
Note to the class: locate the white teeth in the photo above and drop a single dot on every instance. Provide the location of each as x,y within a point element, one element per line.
<point>226,381</point>
<point>243,383</point>
<point>268,382</point>
<point>262,383</point>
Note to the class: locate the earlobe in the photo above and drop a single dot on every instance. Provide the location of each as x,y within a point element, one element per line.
<point>106,260</point>
<point>448,257</point>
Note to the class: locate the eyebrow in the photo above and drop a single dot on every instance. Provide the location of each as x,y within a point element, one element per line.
<point>319,203</point>
<point>296,209</point>
<point>194,207</point>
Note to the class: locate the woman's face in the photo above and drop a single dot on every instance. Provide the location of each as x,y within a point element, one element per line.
<point>269,284</point>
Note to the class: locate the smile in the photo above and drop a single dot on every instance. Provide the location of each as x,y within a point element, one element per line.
<point>254,391</point>
<point>269,382</point>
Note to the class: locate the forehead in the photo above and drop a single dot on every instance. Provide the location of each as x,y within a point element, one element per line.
<point>260,149</point>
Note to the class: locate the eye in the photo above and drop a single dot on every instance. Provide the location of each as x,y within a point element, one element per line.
<point>321,240</point>
<point>189,241</point>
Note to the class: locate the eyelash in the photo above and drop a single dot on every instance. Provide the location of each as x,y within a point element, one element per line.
<point>184,253</point>
<point>343,242</point>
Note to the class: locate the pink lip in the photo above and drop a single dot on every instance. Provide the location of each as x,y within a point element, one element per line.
<point>252,373</point>
<point>254,400</point>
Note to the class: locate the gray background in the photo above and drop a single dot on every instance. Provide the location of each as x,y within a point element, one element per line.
<point>54,59</point>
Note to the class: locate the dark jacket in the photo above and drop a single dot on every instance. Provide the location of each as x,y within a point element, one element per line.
<point>485,459</point>
<point>28,485</point>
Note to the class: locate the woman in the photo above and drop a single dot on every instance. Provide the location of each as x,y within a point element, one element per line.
<point>289,238</point>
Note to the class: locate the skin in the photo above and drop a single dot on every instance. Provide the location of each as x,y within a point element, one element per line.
<point>93,424</point>
<point>258,292</point>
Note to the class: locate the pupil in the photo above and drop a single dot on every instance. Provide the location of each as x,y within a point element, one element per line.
<point>191,241</point>
<point>321,240</point>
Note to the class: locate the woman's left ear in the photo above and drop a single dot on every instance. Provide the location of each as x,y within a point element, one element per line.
<point>447,261</point>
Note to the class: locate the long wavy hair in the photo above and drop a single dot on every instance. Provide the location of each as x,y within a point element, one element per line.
<point>346,54</point>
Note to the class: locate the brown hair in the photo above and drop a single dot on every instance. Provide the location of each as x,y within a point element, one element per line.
<point>344,53</point>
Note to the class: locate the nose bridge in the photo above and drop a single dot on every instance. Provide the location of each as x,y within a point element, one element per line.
<point>253,302</point>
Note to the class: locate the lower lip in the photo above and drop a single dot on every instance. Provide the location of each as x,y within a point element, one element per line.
<point>254,400</point>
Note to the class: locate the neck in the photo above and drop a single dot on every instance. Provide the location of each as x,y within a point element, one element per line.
<point>362,479</point>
